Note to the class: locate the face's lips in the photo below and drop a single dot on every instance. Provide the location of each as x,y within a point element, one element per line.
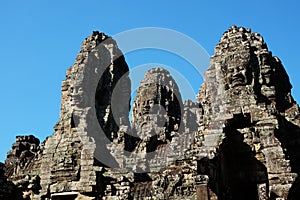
<point>146,110</point>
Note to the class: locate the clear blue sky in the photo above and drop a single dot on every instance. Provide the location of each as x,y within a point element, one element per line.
<point>40,39</point>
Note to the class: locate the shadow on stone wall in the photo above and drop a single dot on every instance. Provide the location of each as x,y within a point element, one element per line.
<point>289,136</point>
<point>234,173</point>
<point>8,190</point>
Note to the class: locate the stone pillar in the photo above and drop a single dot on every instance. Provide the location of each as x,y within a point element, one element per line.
<point>262,191</point>
<point>202,187</point>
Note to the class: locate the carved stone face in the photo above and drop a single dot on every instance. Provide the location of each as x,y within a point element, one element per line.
<point>236,74</point>
<point>77,95</point>
<point>147,99</point>
<point>81,94</point>
<point>147,103</point>
<point>266,70</point>
<point>266,73</point>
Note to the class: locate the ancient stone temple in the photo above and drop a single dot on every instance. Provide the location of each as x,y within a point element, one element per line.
<point>240,140</point>
<point>248,107</point>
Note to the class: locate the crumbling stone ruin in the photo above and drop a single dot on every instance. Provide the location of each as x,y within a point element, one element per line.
<point>240,140</point>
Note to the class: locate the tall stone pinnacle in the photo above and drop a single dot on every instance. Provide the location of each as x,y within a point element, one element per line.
<point>158,100</point>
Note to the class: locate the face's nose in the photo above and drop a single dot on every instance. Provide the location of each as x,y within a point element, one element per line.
<point>146,106</point>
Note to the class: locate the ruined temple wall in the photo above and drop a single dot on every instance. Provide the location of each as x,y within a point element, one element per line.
<point>241,140</point>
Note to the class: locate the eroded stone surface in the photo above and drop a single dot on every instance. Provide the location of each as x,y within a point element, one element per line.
<point>241,140</point>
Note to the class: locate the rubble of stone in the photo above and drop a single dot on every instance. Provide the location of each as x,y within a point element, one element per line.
<point>240,140</point>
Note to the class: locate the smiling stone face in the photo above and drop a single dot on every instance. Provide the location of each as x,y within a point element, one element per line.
<point>236,75</point>
<point>236,72</point>
<point>148,101</point>
<point>77,95</point>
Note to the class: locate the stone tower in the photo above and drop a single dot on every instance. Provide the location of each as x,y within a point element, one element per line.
<point>157,108</point>
<point>247,106</point>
